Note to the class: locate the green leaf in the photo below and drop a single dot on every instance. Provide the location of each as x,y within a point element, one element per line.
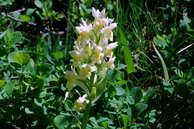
<point>2,35</point>
<point>58,55</point>
<point>127,52</point>
<point>105,124</point>
<point>8,88</point>
<point>6,2</point>
<point>60,121</point>
<point>30,67</point>
<point>30,11</point>
<point>129,112</point>
<point>93,121</point>
<point>18,57</point>
<point>59,16</point>
<point>137,94</point>
<point>122,37</point>
<point>125,120</point>
<point>161,41</point>
<point>38,3</point>
<point>149,93</point>
<point>27,111</point>
<point>120,82</point>
<point>120,91</point>
<point>25,18</point>
<point>140,108</point>
<point>38,103</point>
<point>110,6</point>
<point>44,69</point>
<point>169,89</point>
<point>3,51</point>
<point>11,37</point>
<point>130,100</point>
<point>2,83</point>
<point>185,22</point>
<point>129,60</point>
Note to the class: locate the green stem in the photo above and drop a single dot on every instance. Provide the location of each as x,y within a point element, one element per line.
<point>166,76</point>
<point>86,116</point>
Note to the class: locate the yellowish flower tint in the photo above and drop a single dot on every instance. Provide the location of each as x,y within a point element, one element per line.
<point>93,50</point>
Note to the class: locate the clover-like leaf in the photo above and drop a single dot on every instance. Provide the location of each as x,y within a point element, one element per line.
<point>19,58</point>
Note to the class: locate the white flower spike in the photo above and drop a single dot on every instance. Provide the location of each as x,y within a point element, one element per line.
<point>92,55</point>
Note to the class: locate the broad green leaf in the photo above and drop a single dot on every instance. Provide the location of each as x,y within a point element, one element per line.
<point>129,60</point>
<point>18,57</point>
<point>38,3</point>
<point>60,121</point>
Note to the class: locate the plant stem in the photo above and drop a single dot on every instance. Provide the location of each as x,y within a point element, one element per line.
<point>166,76</point>
<point>86,116</point>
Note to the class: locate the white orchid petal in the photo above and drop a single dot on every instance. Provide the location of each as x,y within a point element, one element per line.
<point>112,45</point>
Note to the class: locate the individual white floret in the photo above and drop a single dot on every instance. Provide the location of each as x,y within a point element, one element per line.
<point>97,14</point>
<point>110,63</point>
<point>84,27</point>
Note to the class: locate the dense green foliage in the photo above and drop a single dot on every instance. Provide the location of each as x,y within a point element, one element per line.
<point>151,87</point>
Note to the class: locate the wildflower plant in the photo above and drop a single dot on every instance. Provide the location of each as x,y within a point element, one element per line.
<point>92,56</point>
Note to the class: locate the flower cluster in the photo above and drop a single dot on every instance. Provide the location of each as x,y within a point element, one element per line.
<point>92,54</point>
